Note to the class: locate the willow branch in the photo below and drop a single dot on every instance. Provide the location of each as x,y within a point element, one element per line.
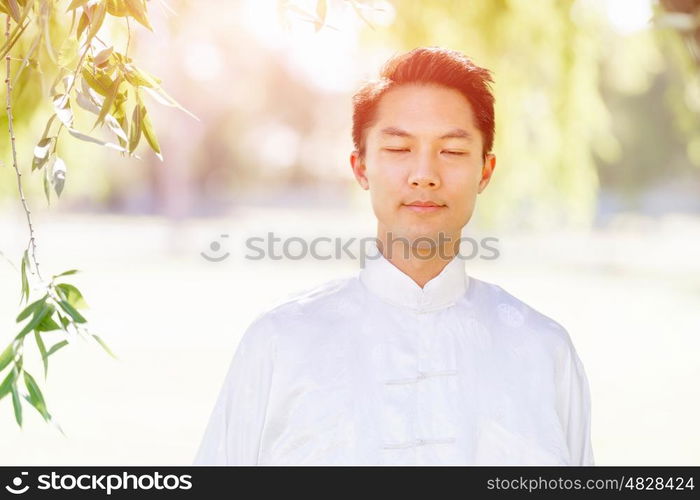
<point>8,83</point>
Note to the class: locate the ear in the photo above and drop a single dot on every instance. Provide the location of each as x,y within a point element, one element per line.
<point>487,171</point>
<point>359,169</point>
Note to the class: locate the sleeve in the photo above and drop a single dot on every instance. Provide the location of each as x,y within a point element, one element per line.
<point>234,430</point>
<point>574,406</point>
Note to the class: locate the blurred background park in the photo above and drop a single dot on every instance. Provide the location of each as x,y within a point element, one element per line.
<point>595,202</point>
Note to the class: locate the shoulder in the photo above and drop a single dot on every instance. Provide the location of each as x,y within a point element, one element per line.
<point>515,315</point>
<point>314,300</point>
<point>302,310</point>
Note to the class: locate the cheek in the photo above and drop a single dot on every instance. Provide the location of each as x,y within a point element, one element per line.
<point>462,181</point>
<point>385,180</point>
<point>461,190</point>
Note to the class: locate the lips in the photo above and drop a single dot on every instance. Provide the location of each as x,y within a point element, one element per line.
<point>424,206</point>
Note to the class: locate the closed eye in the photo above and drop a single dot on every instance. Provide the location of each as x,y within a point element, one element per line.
<point>456,153</point>
<point>397,150</point>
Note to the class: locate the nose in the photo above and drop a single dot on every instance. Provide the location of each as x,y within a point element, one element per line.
<point>425,172</point>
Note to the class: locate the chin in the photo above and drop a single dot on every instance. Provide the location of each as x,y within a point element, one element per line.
<point>421,233</point>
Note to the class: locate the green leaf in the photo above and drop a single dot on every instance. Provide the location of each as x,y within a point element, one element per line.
<point>47,325</point>
<point>56,347</point>
<point>116,127</point>
<point>16,403</point>
<point>47,127</point>
<point>75,4</point>
<point>36,398</point>
<point>31,308</point>
<point>47,187</point>
<point>117,8</point>
<point>87,138</point>
<point>83,23</point>
<point>36,320</point>
<point>14,10</point>
<point>109,100</point>
<point>68,82</point>
<point>100,83</point>
<point>104,346</point>
<point>58,175</point>
<point>86,102</point>
<point>123,123</point>
<point>25,282</point>
<point>97,16</point>
<point>47,416</point>
<point>41,152</point>
<point>163,98</point>
<point>149,133</point>
<point>64,321</point>
<point>7,356</point>
<point>141,78</point>
<point>61,105</point>
<point>102,56</point>
<point>46,35</point>
<point>137,10</point>
<point>42,351</point>
<point>6,385</point>
<point>65,273</point>
<point>72,295</point>
<point>72,312</point>
<point>121,99</point>
<point>135,129</point>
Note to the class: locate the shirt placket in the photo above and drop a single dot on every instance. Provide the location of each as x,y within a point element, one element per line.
<point>425,330</point>
<point>428,378</point>
<point>422,400</point>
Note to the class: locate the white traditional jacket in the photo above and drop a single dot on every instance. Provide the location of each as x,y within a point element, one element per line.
<point>374,369</point>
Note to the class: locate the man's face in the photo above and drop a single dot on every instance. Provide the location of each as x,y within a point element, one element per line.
<point>423,147</point>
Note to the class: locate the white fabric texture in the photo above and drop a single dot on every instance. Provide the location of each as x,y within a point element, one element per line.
<point>374,369</point>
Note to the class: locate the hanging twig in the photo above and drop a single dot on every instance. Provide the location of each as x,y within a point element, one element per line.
<point>32,239</point>
<point>128,37</point>
<point>66,96</point>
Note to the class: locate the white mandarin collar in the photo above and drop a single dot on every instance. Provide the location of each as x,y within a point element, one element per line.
<point>387,281</point>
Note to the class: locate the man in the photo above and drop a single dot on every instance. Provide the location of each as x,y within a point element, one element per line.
<point>412,361</point>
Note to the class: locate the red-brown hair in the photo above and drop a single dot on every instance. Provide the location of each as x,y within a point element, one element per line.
<point>427,65</point>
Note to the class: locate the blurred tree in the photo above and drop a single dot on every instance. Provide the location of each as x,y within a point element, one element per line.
<point>684,16</point>
<point>678,23</point>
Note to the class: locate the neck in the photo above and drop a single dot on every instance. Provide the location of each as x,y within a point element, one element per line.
<point>421,261</point>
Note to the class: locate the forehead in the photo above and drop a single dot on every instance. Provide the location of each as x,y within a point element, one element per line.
<point>424,110</point>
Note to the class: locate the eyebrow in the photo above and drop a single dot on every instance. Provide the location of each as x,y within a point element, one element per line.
<point>457,133</point>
